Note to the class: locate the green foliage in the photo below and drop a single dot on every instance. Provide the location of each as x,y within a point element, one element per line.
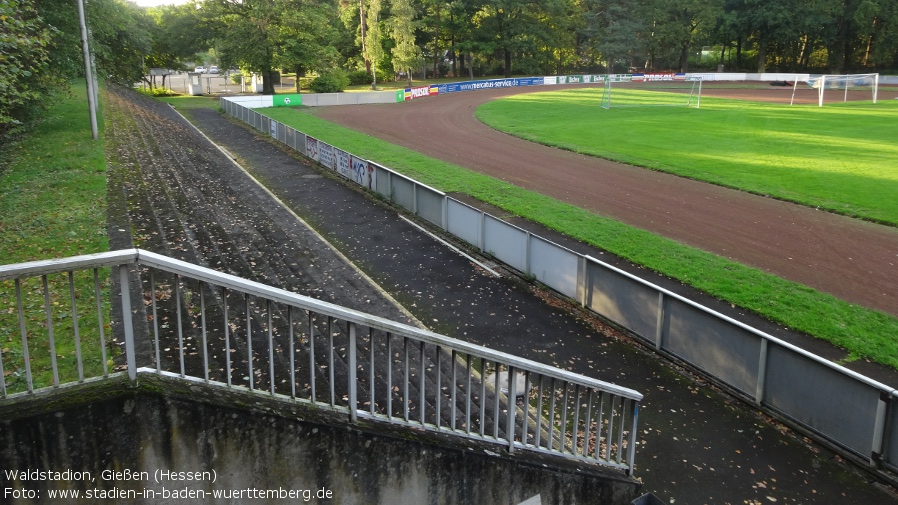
<point>157,92</point>
<point>25,78</point>
<point>359,77</point>
<point>334,81</point>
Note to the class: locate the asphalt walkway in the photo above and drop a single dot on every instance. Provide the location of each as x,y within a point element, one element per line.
<point>697,445</point>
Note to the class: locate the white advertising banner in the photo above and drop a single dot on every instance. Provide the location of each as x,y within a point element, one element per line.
<point>326,155</point>
<point>312,148</point>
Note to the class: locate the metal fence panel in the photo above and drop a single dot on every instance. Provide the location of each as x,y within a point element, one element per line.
<point>282,133</point>
<point>300,144</point>
<point>554,265</point>
<point>382,179</point>
<point>890,448</point>
<point>430,204</point>
<point>506,242</point>
<point>291,138</point>
<point>831,403</point>
<point>403,191</point>
<point>464,221</point>
<point>725,351</point>
<point>622,300</point>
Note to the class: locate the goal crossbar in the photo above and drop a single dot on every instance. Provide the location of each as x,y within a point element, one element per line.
<point>693,99</point>
<point>845,82</point>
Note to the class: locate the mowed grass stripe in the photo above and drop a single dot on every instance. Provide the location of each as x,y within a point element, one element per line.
<point>842,157</point>
<point>864,333</point>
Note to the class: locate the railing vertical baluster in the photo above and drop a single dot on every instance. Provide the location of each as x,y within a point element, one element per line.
<point>155,321</point>
<point>631,456</point>
<point>312,356</point>
<point>468,394</point>
<point>49,313</point>
<point>575,428</point>
<point>496,407</point>
<point>421,372</point>
<point>371,394</point>
<point>563,427</point>
<point>539,414</point>
<point>100,322</point>
<point>390,376</point>
<point>438,393</point>
<point>203,331</point>
<point>610,434</point>
<point>353,375</point>
<point>587,423</point>
<point>512,407</point>
<point>127,321</point>
<point>330,358</point>
<point>551,420</point>
<point>599,420</point>
<point>625,405</point>
<point>526,420</point>
<point>290,337</point>
<point>482,397</point>
<point>406,378</point>
<point>180,326</point>
<point>78,358</point>
<point>249,341</point>
<point>454,408</point>
<point>227,333</point>
<point>270,346</point>
<point>24,334</point>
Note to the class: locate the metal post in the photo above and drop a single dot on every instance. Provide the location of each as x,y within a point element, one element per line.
<point>127,322</point>
<point>512,406</point>
<point>353,379</point>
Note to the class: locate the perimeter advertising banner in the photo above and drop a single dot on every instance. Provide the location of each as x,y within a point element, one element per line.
<point>661,76</point>
<point>312,147</point>
<point>421,92</point>
<point>344,164</point>
<point>326,155</point>
<point>363,173</point>
<point>286,100</point>
<point>490,84</point>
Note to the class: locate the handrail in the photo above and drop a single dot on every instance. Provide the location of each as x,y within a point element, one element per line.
<point>196,323</point>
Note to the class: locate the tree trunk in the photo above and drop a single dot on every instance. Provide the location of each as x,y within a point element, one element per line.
<point>470,67</point>
<point>507,63</point>
<point>296,73</point>
<point>268,82</point>
<point>762,54</point>
<point>364,32</point>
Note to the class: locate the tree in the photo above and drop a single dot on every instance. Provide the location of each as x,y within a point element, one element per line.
<point>176,37</point>
<point>373,49</point>
<point>25,80</point>
<point>406,54</point>
<point>617,30</point>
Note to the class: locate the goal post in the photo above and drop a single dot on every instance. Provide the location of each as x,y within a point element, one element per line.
<point>692,83</point>
<point>829,84</point>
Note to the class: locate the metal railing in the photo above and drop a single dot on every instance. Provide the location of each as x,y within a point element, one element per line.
<point>187,321</point>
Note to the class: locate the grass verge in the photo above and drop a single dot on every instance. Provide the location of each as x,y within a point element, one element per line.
<point>864,333</point>
<point>52,205</point>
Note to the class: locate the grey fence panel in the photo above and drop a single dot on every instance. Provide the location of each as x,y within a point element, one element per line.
<point>722,349</point>
<point>554,265</point>
<point>290,139</point>
<point>430,204</point>
<point>621,299</point>
<point>300,144</point>
<point>506,242</point>
<point>828,401</point>
<point>265,125</point>
<point>464,221</point>
<point>402,191</point>
<point>282,133</point>
<point>890,449</point>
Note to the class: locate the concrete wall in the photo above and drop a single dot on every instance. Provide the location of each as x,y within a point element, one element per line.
<point>234,442</point>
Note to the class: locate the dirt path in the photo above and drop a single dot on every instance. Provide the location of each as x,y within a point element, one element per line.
<point>851,259</point>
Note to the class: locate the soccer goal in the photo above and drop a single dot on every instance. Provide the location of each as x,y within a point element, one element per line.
<point>837,86</point>
<point>686,92</point>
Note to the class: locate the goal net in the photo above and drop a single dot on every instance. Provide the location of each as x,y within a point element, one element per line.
<point>836,87</point>
<point>627,90</point>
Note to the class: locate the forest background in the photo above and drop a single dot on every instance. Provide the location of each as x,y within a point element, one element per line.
<point>40,42</point>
